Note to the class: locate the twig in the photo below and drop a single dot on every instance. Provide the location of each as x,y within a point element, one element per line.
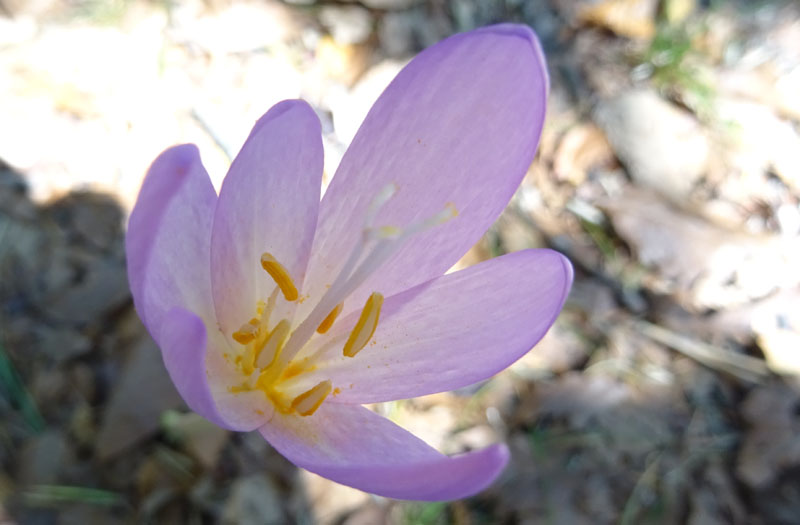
<point>744,367</point>
<point>211,133</point>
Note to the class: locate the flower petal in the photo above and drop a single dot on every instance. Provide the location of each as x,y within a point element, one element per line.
<point>168,239</point>
<point>354,446</point>
<point>460,124</point>
<point>450,332</point>
<point>192,364</point>
<point>268,203</point>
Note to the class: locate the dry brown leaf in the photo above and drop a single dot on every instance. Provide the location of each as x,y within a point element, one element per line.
<point>705,266</point>
<point>134,413</point>
<point>581,148</point>
<point>628,18</point>
<point>676,11</point>
<point>777,328</point>
<point>773,441</point>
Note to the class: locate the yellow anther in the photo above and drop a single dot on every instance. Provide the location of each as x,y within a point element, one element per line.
<point>271,347</point>
<point>282,278</point>
<point>326,323</point>
<point>365,327</point>
<point>308,402</point>
<point>247,332</point>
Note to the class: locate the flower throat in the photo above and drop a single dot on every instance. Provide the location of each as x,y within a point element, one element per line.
<point>266,352</point>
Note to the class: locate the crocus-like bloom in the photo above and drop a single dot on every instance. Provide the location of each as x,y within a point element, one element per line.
<point>280,313</point>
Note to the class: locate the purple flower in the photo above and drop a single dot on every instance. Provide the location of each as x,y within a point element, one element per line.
<point>277,312</point>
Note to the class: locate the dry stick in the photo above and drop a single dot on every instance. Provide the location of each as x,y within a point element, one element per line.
<point>744,367</point>
<point>747,368</point>
<point>221,144</point>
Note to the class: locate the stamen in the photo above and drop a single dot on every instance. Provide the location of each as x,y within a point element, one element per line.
<point>365,327</point>
<point>449,212</point>
<point>326,324</point>
<point>383,196</point>
<point>247,332</point>
<point>281,276</point>
<point>308,402</point>
<point>353,275</point>
<point>271,347</point>
<point>248,359</point>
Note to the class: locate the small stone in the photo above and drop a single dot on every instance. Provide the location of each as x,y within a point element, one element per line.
<point>254,500</point>
<point>347,24</point>
<point>103,289</point>
<point>94,219</point>
<point>661,146</point>
<point>139,397</point>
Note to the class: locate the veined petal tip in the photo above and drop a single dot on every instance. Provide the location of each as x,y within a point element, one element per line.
<point>500,453</point>
<point>494,459</point>
<point>567,276</point>
<point>527,33</point>
<point>475,471</point>
<point>301,108</point>
<point>569,273</point>
<point>563,271</point>
<point>520,30</point>
<point>176,159</point>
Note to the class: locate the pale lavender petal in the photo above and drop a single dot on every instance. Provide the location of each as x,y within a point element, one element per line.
<point>450,332</point>
<point>356,447</point>
<point>193,363</point>
<point>460,124</point>
<point>268,203</point>
<point>168,238</point>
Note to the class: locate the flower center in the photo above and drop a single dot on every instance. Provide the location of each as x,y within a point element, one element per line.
<point>267,353</point>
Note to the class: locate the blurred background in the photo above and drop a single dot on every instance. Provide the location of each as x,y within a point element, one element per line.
<point>668,171</point>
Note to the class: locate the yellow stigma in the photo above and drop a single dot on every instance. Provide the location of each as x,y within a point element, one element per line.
<point>326,323</point>
<point>270,348</point>
<point>282,278</point>
<point>365,327</point>
<point>247,332</point>
<point>308,402</point>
